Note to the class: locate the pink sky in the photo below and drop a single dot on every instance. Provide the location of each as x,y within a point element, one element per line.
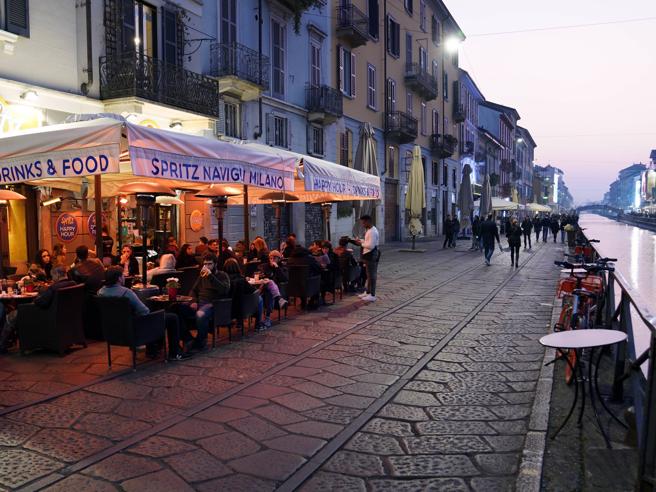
<point>585,94</point>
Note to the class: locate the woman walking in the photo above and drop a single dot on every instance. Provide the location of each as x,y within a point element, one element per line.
<point>514,235</point>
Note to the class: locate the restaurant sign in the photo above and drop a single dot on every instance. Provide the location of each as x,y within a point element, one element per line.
<point>66,228</point>
<point>196,220</point>
<point>91,223</point>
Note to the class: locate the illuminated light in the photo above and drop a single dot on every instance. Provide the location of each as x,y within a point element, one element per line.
<point>29,95</point>
<point>123,200</point>
<point>3,202</point>
<point>451,45</point>
<point>52,201</point>
<point>132,118</point>
<point>636,197</point>
<point>520,140</point>
<point>137,40</point>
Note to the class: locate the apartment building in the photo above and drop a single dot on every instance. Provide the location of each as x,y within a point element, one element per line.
<point>471,141</point>
<point>524,155</point>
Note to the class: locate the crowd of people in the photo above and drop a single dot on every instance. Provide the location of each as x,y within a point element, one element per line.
<point>222,273</point>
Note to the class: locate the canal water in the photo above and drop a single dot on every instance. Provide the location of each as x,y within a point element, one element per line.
<point>635,250</point>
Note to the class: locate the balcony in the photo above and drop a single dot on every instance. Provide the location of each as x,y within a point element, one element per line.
<point>400,126</point>
<point>352,25</point>
<point>242,72</point>
<point>459,113</point>
<point>324,104</point>
<point>420,81</point>
<point>467,148</point>
<point>136,75</point>
<point>443,146</point>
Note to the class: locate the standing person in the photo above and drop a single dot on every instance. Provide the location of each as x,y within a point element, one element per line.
<point>448,230</point>
<point>554,225</point>
<point>545,228</point>
<point>514,235</point>
<point>489,232</point>
<point>563,223</point>
<point>527,226</point>
<point>537,225</point>
<point>476,234</point>
<point>201,247</point>
<point>370,256</point>
<point>456,230</point>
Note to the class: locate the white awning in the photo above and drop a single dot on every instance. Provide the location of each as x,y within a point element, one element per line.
<point>500,204</point>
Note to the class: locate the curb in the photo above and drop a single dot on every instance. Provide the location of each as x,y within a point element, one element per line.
<point>529,478</point>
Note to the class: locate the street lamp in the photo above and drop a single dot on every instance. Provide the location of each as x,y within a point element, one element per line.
<point>147,193</point>
<point>219,194</point>
<point>278,200</point>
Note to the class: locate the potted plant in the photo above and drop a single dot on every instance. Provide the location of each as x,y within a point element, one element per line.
<point>172,286</point>
<point>28,284</point>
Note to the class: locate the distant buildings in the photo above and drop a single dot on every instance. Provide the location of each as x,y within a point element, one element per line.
<point>626,192</point>
<point>550,189</point>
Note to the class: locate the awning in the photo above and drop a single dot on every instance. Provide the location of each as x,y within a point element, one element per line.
<point>499,204</point>
<point>315,177</point>
<point>57,155</point>
<point>537,207</point>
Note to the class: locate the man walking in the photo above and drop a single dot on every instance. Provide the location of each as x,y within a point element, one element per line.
<point>489,232</point>
<point>537,225</point>
<point>448,230</point>
<point>455,225</point>
<point>527,226</point>
<point>370,256</point>
<point>545,228</point>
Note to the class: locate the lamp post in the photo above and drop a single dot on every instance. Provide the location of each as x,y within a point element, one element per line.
<point>278,200</point>
<point>146,193</point>
<point>218,195</point>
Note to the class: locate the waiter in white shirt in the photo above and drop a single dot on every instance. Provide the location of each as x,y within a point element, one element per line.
<point>370,255</point>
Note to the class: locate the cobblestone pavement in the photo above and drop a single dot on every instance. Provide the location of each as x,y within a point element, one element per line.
<point>428,388</point>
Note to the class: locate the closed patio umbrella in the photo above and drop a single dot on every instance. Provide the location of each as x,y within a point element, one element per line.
<point>465,197</point>
<point>365,161</point>
<point>415,200</point>
<point>486,198</point>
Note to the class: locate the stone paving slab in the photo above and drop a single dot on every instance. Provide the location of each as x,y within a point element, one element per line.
<point>258,437</point>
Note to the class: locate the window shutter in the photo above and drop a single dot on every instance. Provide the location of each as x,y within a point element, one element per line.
<point>373,18</point>
<point>288,129</point>
<point>128,31</point>
<point>269,129</point>
<point>170,44</point>
<point>18,17</point>
<point>340,68</point>
<point>349,135</point>
<point>353,75</point>
<point>310,140</point>
<point>220,123</point>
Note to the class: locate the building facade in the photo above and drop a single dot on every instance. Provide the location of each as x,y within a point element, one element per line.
<point>524,156</point>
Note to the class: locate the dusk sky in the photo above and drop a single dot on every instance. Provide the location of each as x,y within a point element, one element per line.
<point>586,94</point>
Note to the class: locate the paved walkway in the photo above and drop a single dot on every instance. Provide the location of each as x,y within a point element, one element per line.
<point>429,388</point>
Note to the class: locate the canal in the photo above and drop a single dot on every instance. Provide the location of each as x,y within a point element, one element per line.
<point>635,250</point>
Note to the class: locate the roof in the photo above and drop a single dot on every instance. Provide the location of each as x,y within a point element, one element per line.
<point>652,155</point>
<point>465,74</point>
<point>504,109</point>
<point>448,18</point>
<point>526,135</point>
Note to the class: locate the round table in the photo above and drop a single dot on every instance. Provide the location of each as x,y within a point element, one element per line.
<point>580,340</point>
<point>143,293</point>
<point>165,299</point>
<point>27,296</point>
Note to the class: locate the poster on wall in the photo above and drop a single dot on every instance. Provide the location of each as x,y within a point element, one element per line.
<point>66,228</point>
<point>91,223</point>
<point>196,220</point>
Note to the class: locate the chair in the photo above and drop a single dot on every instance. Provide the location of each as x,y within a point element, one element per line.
<point>55,328</point>
<point>249,309</point>
<point>120,327</point>
<point>188,278</point>
<point>301,285</point>
<point>159,279</point>
<point>222,317</point>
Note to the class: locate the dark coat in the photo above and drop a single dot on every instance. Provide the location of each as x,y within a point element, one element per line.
<point>239,288</point>
<point>90,273</point>
<point>476,227</point>
<point>214,286</point>
<point>514,235</point>
<point>554,225</point>
<point>489,232</point>
<point>448,226</point>
<point>278,275</point>
<point>527,226</point>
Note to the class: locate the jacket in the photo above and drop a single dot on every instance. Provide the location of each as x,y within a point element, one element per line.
<point>527,226</point>
<point>90,273</point>
<point>239,288</point>
<point>514,235</point>
<point>448,226</point>
<point>207,289</point>
<point>489,232</point>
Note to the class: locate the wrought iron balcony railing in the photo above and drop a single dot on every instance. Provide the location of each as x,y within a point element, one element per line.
<point>420,81</point>
<point>459,113</point>
<point>326,100</point>
<point>239,61</point>
<point>352,24</point>
<point>400,126</point>
<point>443,146</point>
<point>137,75</point>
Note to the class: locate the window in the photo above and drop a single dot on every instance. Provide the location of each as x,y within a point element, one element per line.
<point>422,15</point>
<point>423,118</point>
<point>278,133</point>
<point>231,115</point>
<point>445,175</point>
<point>435,175</point>
<point>435,122</point>
<point>371,86</point>
<point>346,148</point>
<point>315,63</point>
<point>372,11</point>
<point>408,50</point>
<point>453,178</point>
<point>393,37</point>
<point>391,162</point>
<point>17,18</point>
<point>278,58</point>
<point>445,85</point>
<point>408,103</point>
<point>435,31</point>
<point>346,72</point>
<point>408,5</point>
<point>391,95</point>
<point>228,21</point>
<point>423,59</point>
<point>315,140</point>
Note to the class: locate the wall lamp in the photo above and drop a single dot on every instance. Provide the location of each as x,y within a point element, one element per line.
<point>51,201</point>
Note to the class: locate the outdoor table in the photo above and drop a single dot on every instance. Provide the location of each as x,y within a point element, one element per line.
<point>143,293</point>
<point>580,340</point>
<point>166,300</point>
<point>250,267</point>
<point>26,296</point>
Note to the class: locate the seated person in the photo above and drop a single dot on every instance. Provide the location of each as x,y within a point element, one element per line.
<point>290,244</point>
<point>89,272</point>
<point>302,257</point>
<point>114,288</point>
<point>346,260</point>
<point>239,288</point>
<point>42,263</point>
<point>43,300</point>
<point>186,257</point>
<point>210,285</point>
<point>166,265</point>
<point>240,248</point>
<point>201,247</point>
<point>129,262</point>
<point>275,272</point>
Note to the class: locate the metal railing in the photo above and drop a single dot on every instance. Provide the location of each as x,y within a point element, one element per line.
<point>421,80</point>
<point>137,75</point>
<point>237,60</point>
<point>628,367</point>
<point>351,17</point>
<point>400,122</point>
<point>324,99</point>
<point>443,146</point>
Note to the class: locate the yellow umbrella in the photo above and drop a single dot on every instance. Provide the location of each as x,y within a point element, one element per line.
<point>415,200</point>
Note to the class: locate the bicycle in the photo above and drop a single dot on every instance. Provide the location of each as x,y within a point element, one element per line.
<point>581,293</point>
